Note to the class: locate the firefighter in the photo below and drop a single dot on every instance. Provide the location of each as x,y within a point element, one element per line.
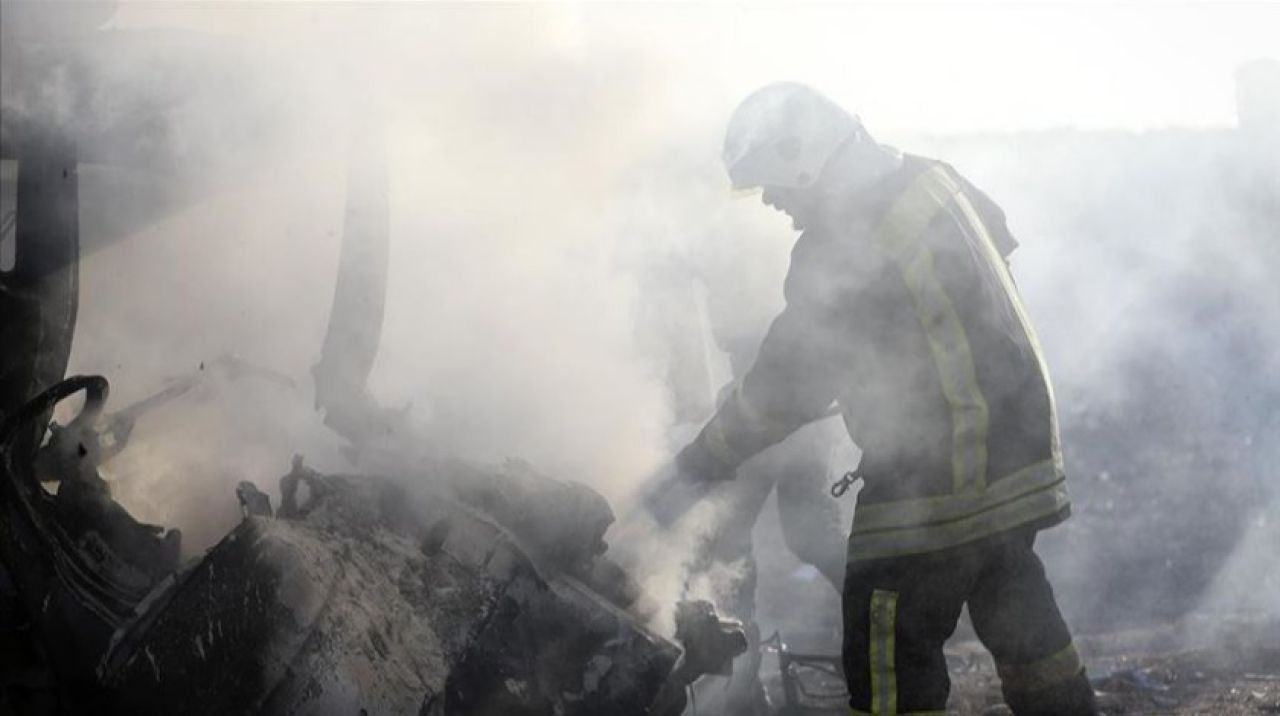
<point>901,311</point>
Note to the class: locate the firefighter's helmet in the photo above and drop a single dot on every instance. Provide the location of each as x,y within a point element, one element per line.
<point>783,134</point>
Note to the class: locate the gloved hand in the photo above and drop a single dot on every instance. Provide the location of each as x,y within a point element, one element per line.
<point>680,485</point>
<point>696,461</point>
<point>670,494</point>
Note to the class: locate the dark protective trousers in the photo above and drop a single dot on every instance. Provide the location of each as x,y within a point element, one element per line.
<point>899,611</point>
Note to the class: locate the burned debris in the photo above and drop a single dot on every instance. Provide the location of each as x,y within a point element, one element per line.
<point>371,593</point>
<point>438,588</point>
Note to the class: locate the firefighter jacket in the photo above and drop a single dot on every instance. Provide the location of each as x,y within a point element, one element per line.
<point>901,309</point>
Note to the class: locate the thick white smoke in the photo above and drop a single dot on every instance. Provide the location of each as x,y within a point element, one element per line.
<point>554,175</point>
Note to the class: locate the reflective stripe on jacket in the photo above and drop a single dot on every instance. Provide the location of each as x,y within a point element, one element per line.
<point>902,309</point>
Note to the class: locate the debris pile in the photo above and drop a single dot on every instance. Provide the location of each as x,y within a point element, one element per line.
<point>371,594</point>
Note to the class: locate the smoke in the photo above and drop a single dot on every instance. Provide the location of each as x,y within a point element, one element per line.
<point>509,327</point>
<point>554,181</point>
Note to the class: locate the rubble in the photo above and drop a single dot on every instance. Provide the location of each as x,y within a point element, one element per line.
<point>436,587</point>
<point>339,609</point>
<point>373,594</point>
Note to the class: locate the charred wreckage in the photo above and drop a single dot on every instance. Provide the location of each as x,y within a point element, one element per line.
<point>438,587</point>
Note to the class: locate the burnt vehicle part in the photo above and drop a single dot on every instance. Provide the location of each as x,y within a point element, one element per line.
<point>356,598</point>
<point>341,608</point>
<point>39,285</point>
<point>359,300</point>
<point>137,553</point>
<point>113,430</point>
<point>39,293</point>
<point>74,592</point>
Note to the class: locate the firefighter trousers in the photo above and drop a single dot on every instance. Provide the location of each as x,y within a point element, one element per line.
<point>899,611</point>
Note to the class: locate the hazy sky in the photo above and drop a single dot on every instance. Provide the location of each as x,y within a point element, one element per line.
<point>904,66</point>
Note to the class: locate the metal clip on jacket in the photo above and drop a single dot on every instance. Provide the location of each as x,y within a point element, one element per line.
<point>841,486</point>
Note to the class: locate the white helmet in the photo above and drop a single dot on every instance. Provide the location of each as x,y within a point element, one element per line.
<point>782,135</point>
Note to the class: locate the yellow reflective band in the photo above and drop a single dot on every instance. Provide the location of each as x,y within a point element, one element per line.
<point>1049,671</point>
<point>923,511</point>
<point>901,235</point>
<point>884,680</point>
<point>1042,504</point>
<point>1001,269</point>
